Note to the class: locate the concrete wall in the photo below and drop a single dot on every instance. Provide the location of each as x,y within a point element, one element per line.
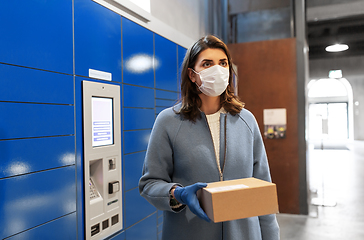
<point>187,16</point>
<point>357,83</point>
<point>238,6</point>
<point>331,9</point>
<point>316,3</point>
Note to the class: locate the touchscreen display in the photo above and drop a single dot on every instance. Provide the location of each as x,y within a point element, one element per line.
<point>102,121</point>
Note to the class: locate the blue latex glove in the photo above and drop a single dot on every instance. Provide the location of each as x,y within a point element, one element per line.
<point>187,195</point>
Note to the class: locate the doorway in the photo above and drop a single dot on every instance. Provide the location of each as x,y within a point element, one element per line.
<point>329,119</point>
<point>329,104</point>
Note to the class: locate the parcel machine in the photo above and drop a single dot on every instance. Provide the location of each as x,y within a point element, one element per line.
<point>102,159</point>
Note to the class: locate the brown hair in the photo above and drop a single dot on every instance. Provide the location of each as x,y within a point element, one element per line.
<point>190,100</point>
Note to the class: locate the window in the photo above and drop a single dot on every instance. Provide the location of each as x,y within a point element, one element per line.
<point>327,88</point>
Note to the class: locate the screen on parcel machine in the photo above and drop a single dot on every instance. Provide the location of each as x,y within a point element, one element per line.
<point>102,121</point>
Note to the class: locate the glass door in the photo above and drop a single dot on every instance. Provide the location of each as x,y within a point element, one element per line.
<point>328,121</point>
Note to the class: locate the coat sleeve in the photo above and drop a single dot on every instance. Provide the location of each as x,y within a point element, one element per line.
<point>268,223</point>
<point>156,180</point>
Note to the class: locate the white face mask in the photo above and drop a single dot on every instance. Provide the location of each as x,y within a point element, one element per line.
<point>214,80</point>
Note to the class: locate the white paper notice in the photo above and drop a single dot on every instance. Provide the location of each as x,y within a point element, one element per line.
<point>276,116</point>
<point>275,123</point>
<point>227,188</point>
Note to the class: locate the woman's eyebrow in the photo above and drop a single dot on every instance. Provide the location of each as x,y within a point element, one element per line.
<point>223,59</point>
<point>206,60</point>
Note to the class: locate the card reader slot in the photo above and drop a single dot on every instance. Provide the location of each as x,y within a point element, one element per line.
<point>112,164</point>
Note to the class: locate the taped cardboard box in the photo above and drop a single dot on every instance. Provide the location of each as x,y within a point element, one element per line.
<point>236,199</point>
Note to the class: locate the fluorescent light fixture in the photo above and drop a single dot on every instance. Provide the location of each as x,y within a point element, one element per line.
<point>335,74</point>
<point>337,48</point>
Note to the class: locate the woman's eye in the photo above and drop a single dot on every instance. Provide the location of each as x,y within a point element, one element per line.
<point>206,64</point>
<point>223,64</point>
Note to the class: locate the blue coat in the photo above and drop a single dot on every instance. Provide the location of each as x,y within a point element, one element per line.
<point>182,152</point>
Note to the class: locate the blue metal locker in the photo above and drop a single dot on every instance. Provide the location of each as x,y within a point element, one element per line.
<point>97,39</point>
<point>138,58</point>
<point>133,164</point>
<point>19,84</point>
<point>59,229</point>
<point>166,68</point>
<point>21,156</point>
<point>33,199</point>
<point>37,34</point>
<point>181,55</point>
<point>143,230</point>
<point>137,208</point>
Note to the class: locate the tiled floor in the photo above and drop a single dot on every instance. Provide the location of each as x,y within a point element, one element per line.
<point>337,176</point>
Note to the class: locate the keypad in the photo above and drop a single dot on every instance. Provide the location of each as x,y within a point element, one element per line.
<point>93,192</point>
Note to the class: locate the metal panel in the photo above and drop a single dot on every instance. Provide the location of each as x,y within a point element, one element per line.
<point>181,55</point>
<point>33,199</point>
<point>166,64</point>
<point>166,95</point>
<point>138,97</point>
<point>263,25</point>
<point>159,109</point>
<point>24,120</point>
<point>146,229</point>
<point>137,54</point>
<point>79,159</point>
<point>136,141</point>
<point>136,118</point>
<point>137,208</point>
<point>164,103</point>
<point>97,39</point>
<point>133,165</point>
<point>31,155</point>
<point>29,85</point>
<point>160,218</point>
<point>37,34</point>
<point>59,229</point>
<point>120,236</point>
<point>160,227</point>
<point>302,63</point>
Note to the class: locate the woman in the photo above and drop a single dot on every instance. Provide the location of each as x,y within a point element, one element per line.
<point>207,137</point>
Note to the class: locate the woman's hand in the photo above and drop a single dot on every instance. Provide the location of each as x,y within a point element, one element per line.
<point>187,195</point>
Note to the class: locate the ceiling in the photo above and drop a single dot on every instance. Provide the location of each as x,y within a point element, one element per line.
<point>348,30</point>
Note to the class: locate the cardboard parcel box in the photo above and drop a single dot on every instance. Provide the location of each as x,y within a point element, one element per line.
<point>236,199</point>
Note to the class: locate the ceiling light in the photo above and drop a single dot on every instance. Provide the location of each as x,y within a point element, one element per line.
<point>337,48</point>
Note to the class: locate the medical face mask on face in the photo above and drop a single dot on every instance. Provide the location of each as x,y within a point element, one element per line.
<point>214,80</point>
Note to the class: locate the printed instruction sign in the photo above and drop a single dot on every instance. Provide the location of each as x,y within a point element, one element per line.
<point>275,123</point>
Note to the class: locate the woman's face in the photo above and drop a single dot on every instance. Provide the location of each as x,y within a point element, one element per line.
<point>208,58</point>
